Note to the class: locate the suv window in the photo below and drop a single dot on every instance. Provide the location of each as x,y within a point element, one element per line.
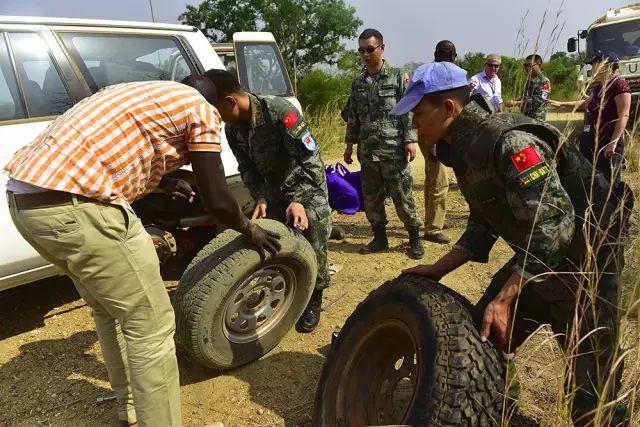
<point>262,70</point>
<point>10,105</point>
<point>107,59</point>
<point>44,92</point>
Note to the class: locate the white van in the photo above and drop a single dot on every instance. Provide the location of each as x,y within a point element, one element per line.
<point>49,64</point>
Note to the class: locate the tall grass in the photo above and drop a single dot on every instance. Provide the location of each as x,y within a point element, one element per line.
<point>589,292</point>
<point>328,128</point>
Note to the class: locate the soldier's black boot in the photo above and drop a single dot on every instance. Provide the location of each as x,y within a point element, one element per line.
<point>416,251</point>
<point>311,316</point>
<point>378,244</point>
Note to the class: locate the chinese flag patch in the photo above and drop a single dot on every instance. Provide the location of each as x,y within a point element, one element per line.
<point>546,86</point>
<point>525,159</point>
<point>290,119</point>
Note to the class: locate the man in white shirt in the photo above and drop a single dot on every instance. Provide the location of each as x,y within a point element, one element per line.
<point>488,83</point>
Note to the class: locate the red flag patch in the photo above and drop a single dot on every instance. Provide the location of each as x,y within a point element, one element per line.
<point>290,119</point>
<point>525,159</point>
<point>546,86</point>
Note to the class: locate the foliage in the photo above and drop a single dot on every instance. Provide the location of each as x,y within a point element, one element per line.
<point>318,89</point>
<point>309,31</point>
<point>219,19</point>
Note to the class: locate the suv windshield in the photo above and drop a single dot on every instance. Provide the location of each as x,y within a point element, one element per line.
<point>107,59</point>
<point>622,38</point>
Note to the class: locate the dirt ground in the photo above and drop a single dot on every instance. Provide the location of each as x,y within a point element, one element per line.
<point>51,369</point>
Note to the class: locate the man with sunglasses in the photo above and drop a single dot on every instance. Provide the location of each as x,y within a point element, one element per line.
<point>386,144</point>
<point>536,92</point>
<point>488,83</point>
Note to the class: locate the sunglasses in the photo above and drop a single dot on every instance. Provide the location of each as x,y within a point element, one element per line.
<point>368,49</point>
<point>527,66</point>
<point>493,65</point>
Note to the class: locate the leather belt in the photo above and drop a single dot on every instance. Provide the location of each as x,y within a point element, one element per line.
<point>47,199</point>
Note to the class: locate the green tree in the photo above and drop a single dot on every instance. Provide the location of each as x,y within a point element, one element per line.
<point>219,19</point>
<point>309,31</point>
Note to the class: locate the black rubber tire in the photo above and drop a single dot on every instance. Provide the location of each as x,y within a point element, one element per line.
<point>210,281</point>
<point>459,381</point>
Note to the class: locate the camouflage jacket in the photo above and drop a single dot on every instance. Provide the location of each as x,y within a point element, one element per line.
<point>379,135</point>
<point>534,100</point>
<point>508,177</point>
<point>278,158</point>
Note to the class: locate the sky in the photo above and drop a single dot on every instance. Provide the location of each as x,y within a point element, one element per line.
<point>411,28</point>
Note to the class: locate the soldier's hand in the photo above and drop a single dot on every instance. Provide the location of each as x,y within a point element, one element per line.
<point>410,150</point>
<point>496,320</point>
<point>427,270</point>
<point>297,216</point>
<point>260,211</point>
<point>348,154</point>
<point>177,188</point>
<point>512,103</point>
<point>264,240</point>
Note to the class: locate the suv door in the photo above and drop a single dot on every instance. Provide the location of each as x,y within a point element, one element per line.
<point>34,88</point>
<point>260,66</point>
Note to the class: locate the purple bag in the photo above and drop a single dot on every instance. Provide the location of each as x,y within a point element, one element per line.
<point>345,189</point>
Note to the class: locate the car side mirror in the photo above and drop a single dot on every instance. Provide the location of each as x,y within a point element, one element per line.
<point>572,44</point>
<point>583,34</point>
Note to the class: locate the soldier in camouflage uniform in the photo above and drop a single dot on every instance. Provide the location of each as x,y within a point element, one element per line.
<point>536,91</point>
<point>384,144</point>
<point>518,189</point>
<point>281,166</point>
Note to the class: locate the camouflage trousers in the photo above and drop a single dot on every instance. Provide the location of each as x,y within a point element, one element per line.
<point>395,177</point>
<point>559,302</point>
<point>317,234</point>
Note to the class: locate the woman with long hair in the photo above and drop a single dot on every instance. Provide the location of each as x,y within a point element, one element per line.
<point>607,110</point>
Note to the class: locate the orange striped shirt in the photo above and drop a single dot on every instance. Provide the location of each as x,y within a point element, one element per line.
<point>116,145</point>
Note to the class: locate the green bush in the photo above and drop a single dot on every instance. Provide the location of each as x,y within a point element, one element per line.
<point>318,89</point>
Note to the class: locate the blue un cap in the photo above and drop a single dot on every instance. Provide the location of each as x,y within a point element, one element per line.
<point>430,78</point>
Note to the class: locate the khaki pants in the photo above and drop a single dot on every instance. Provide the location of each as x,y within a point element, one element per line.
<point>105,250</point>
<point>436,186</point>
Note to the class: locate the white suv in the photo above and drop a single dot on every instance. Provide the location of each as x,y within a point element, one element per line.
<point>48,64</point>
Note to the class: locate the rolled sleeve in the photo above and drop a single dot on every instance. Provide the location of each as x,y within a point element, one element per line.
<point>204,129</point>
<point>478,238</point>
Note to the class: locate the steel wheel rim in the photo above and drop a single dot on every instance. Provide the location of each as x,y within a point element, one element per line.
<point>258,303</point>
<point>385,394</point>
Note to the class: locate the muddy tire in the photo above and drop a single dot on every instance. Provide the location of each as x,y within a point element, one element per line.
<point>410,354</point>
<point>231,308</point>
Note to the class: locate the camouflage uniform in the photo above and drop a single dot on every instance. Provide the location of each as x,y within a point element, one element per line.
<point>519,190</point>
<point>278,160</point>
<point>534,101</point>
<point>380,138</point>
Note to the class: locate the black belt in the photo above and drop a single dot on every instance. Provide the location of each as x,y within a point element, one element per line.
<point>47,199</point>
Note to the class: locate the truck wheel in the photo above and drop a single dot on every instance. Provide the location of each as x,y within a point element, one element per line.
<point>231,308</point>
<point>411,355</point>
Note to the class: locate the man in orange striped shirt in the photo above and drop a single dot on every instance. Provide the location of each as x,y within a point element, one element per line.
<point>70,193</point>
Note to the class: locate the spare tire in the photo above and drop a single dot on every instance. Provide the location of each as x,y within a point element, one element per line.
<point>231,308</point>
<point>411,355</point>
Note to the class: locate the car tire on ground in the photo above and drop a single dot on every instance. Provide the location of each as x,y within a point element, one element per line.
<point>410,354</point>
<point>231,308</point>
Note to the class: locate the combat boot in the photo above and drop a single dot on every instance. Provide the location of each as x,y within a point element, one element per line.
<point>378,244</point>
<point>311,316</point>
<point>416,251</point>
